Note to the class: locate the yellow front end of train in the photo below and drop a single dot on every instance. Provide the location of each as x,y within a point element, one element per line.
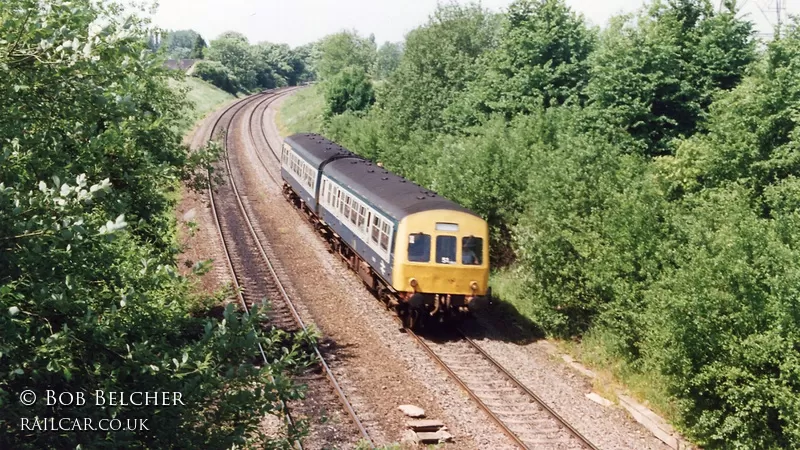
<point>441,261</point>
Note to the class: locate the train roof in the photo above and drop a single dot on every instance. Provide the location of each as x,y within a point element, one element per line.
<point>316,149</point>
<point>392,194</point>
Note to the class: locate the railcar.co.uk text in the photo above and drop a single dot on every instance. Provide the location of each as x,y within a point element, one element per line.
<point>98,398</point>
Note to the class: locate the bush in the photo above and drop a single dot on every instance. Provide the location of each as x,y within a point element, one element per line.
<point>90,296</point>
<point>216,74</point>
<point>349,90</point>
<point>725,323</point>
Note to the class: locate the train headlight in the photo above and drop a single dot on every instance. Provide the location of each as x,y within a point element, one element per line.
<point>413,283</point>
<point>474,285</point>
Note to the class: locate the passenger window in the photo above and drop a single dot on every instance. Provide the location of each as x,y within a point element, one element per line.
<point>385,236</point>
<point>446,249</point>
<point>375,229</point>
<point>471,250</point>
<point>354,213</point>
<point>361,218</point>
<point>419,247</point>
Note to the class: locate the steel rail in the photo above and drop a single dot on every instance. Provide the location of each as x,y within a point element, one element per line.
<point>228,258</point>
<point>284,294</point>
<point>495,418</point>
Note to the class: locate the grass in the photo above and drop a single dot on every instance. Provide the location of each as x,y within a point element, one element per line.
<point>614,373</point>
<point>595,351</point>
<point>204,96</point>
<point>302,112</point>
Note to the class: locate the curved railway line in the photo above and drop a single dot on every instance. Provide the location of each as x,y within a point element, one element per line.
<point>255,271</point>
<point>521,414</point>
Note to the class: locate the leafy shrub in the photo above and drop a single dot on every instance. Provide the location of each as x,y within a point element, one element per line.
<point>216,74</point>
<point>349,90</point>
<point>725,323</point>
<point>90,298</point>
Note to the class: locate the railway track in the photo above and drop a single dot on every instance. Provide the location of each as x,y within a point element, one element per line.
<point>256,276</point>
<point>521,414</point>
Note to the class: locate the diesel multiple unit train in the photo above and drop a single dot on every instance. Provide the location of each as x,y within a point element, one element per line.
<point>423,254</point>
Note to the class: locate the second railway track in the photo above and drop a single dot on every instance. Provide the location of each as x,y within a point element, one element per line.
<point>257,273</point>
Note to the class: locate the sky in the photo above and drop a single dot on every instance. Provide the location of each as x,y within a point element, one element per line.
<point>297,22</point>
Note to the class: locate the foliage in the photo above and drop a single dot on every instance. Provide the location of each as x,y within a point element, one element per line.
<point>90,298</point>
<point>542,59</point>
<point>752,132</point>
<point>278,65</point>
<point>183,44</point>
<point>727,324</point>
<point>387,59</point>
<point>264,65</point>
<point>218,75</point>
<point>349,90</point>
<point>655,74</point>
<point>439,60</point>
<point>233,51</point>
<point>346,49</point>
<point>198,48</point>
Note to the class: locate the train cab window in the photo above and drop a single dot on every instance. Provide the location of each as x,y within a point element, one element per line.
<point>446,249</point>
<point>419,247</point>
<point>471,250</point>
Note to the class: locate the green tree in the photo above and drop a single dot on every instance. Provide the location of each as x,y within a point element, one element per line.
<point>725,322</point>
<point>345,49</point>
<point>198,48</point>
<point>752,131</point>
<point>309,54</point>
<point>181,44</point>
<point>349,90</point>
<point>439,61</point>
<point>542,59</point>
<point>387,59</point>
<point>233,51</point>
<point>655,74</point>
<point>90,295</point>
<point>278,65</point>
<point>218,75</point>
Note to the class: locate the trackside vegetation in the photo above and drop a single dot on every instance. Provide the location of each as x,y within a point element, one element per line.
<point>640,181</point>
<point>90,296</point>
